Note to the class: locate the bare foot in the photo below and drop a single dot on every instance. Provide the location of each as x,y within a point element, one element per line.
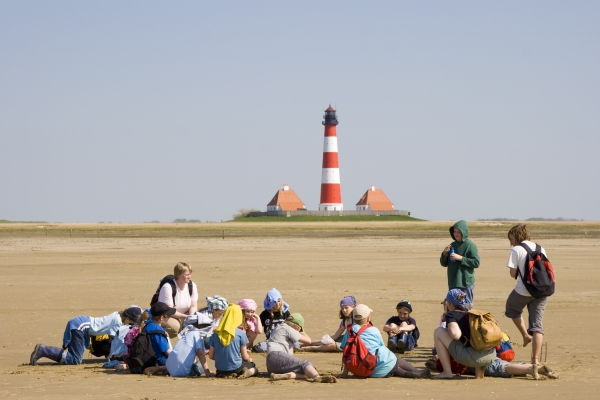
<point>151,370</point>
<point>535,368</point>
<point>444,375</point>
<point>431,365</point>
<point>526,340</point>
<point>549,372</point>
<point>279,377</point>
<point>246,373</point>
<point>325,379</point>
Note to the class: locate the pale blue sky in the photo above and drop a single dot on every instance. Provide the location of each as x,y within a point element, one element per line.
<point>147,110</point>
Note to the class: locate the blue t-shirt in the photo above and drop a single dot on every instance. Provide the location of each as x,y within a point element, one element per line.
<point>159,341</point>
<point>229,358</point>
<point>182,357</point>
<point>386,360</point>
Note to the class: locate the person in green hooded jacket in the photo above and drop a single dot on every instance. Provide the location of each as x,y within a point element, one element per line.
<point>462,263</point>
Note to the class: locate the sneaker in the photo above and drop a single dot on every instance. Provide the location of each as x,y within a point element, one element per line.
<point>400,346</point>
<point>391,345</point>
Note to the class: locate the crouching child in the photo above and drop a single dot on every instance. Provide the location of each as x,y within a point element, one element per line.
<point>77,336</point>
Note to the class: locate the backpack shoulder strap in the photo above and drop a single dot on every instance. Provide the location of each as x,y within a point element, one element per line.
<point>190,288</point>
<point>156,332</point>
<point>173,289</point>
<point>362,329</point>
<point>527,249</point>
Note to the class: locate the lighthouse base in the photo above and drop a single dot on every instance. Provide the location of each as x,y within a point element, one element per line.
<point>331,207</point>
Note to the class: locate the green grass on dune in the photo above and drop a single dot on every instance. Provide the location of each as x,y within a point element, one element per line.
<point>337,218</point>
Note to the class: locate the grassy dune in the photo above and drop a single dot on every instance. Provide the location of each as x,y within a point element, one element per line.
<point>414,229</point>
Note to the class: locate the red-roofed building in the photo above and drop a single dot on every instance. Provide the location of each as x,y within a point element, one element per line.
<point>374,199</point>
<point>286,200</point>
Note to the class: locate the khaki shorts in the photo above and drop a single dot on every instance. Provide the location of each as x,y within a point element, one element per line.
<point>535,307</point>
<point>470,357</point>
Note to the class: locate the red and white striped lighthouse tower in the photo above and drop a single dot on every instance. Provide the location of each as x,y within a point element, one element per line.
<point>331,195</point>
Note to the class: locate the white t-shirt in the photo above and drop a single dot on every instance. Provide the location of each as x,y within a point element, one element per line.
<point>517,258</point>
<point>183,300</point>
<point>283,338</point>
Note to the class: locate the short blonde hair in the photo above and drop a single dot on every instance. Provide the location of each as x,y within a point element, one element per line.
<point>519,233</point>
<point>181,268</point>
<point>363,321</point>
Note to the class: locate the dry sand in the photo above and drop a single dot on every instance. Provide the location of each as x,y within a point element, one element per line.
<point>47,280</point>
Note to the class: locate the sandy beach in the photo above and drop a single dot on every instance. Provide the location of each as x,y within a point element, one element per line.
<point>47,280</point>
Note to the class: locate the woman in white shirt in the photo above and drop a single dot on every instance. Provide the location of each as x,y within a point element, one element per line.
<point>184,300</point>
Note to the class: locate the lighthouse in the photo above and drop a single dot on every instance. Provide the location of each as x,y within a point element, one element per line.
<point>331,195</point>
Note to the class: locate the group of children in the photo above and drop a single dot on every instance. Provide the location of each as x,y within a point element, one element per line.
<point>227,332</point>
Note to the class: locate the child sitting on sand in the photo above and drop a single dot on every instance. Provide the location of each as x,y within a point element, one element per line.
<point>251,325</point>
<point>388,364</point>
<point>275,313</point>
<point>402,329</point>
<point>280,349</point>
<point>334,343</point>
<point>180,362</point>
<point>155,328</point>
<point>228,347</point>
<point>77,336</point>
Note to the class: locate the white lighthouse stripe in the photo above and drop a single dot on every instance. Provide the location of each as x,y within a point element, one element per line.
<point>330,175</point>
<point>330,144</point>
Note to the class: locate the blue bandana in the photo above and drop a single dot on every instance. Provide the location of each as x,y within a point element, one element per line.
<point>271,300</point>
<point>452,297</point>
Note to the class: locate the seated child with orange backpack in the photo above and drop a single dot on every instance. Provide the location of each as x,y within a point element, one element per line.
<point>333,343</point>
<point>77,336</point>
<point>402,329</point>
<point>228,347</point>
<point>365,354</point>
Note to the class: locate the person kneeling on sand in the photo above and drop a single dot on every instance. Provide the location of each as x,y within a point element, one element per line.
<point>77,336</point>
<point>454,339</point>
<point>228,347</point>
<point>388,364</point>
<point>280,349</point>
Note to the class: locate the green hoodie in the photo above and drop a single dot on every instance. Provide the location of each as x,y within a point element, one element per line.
<point>461,274</point>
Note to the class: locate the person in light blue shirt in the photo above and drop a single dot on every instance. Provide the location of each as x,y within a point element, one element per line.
<point>77,336</point>
<point>180,362</point>
<point>388,364</point>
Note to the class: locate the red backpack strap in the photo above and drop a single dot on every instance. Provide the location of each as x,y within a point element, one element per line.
<point>362,329</point>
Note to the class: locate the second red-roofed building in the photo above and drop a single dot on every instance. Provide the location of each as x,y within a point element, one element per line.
<point>374,199</point>
<point>286,200</point>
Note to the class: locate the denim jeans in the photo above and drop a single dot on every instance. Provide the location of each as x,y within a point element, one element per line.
<point>76,347</point>
<point>407,338</point>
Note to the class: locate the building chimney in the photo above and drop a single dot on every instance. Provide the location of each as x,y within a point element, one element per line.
<point>286,186</point>
<point>372,188</point>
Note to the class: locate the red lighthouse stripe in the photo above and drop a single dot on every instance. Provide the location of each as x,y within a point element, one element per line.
<point>330,130</point>
<point>330,160</point>
<point>331,193</point>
